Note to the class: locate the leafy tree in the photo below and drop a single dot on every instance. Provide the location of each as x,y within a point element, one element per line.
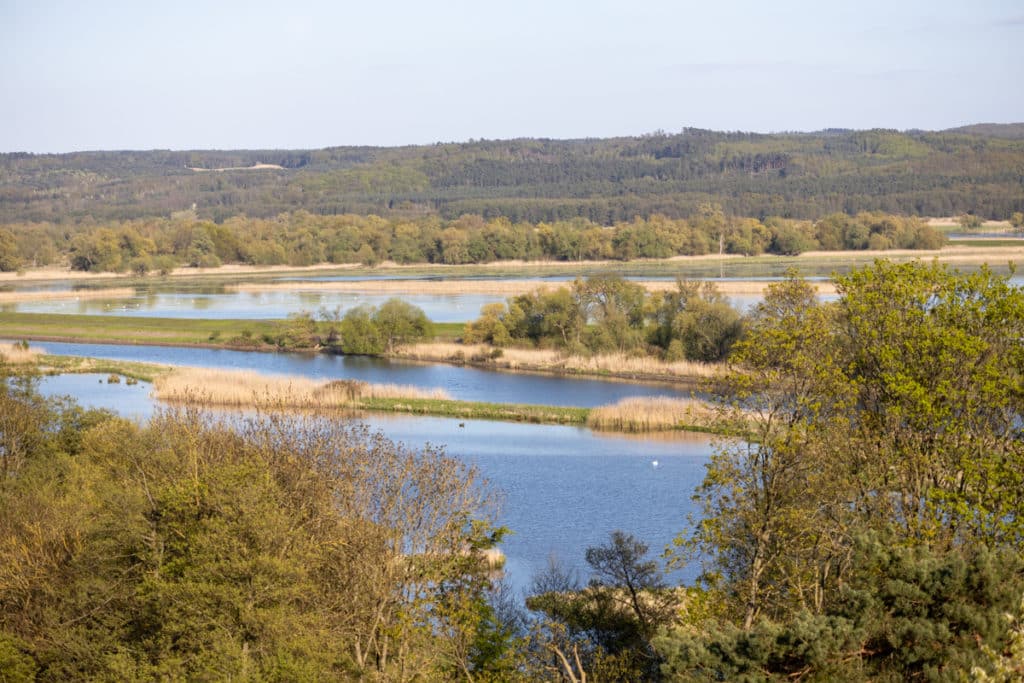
<point>264,548</point>
<point>896,407</point>
<point>401,323</point>
<point>489,328</point>
<point>9,258</point>
<point>969,221</point>
<point>359,333</point>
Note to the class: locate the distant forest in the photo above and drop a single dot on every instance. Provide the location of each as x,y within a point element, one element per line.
<point>976,169</point>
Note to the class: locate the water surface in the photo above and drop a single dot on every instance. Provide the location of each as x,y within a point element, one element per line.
<point>463,383</point>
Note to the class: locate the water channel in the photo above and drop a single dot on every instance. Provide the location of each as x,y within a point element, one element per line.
<point>461,382</point>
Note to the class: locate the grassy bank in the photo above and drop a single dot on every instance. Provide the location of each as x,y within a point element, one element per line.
<point>135,330</point>
<point>478,410</point>
<point>250,334</point>
<point>206,332</point>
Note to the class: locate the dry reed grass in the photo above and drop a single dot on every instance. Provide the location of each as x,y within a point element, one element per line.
<point>549,360</point>
<point>26,297</point>
<point>243,388</point>
<point>17,354</point>
<point>650,414</point>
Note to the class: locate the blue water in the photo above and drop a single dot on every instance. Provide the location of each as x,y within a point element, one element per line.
<point>464,383</point>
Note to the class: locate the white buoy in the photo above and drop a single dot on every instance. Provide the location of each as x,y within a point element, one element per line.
<point>654,463</point>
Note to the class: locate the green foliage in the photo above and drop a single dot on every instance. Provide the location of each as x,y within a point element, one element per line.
<point>895,410</point>
<point>399,323</point>
<point>10,260</point>
<point>609,314</point>
<point>805,175</point>
<point>969,221</point>
<point>298,332</point>
<point>903,614</point>
<point>614,618</point>
<point>267,548</point>
<point>359,334</point>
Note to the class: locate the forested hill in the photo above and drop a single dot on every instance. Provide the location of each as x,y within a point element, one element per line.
<point>978,169</point>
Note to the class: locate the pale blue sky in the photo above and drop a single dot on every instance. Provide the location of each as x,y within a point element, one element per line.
<point>184,74</point>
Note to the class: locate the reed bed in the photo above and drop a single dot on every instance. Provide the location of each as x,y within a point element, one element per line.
<point>616,364</point>
<point>17,353</point>
<point>642,414</point>
<point>26,297</point>
<point>623,364</point>
<point>244,388</point>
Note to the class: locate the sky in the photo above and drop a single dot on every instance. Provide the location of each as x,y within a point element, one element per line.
<point>208,74</point>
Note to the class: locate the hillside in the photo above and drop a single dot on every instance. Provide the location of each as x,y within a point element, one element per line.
<point>976,169</point>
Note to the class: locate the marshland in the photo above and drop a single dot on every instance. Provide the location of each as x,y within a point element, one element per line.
<point>337,424</point>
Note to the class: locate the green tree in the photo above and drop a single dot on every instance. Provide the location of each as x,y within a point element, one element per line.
<point>9,258</point>
<point>903,613</point>
<point>272,547</point>
<point>399,322</point>
<point>359,333</point>
<point>895,407</point>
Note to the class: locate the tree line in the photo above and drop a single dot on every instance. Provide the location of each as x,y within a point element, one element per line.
<point>302,239</point>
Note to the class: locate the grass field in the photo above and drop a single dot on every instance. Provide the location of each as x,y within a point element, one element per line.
<point>139,330</point>
<point>129,329</point>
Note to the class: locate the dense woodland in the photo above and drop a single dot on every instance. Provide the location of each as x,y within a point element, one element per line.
<point>975,169</point>
<point>870,527</point>
<point>302,239</point>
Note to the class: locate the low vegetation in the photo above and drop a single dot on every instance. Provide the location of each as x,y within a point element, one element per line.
<point>18,353</point>
<point>651,414</point>
<point>246,388</point>
<point>550,360</point>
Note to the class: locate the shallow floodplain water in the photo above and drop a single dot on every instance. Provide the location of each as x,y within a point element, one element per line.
<point>564,488</point>
<point>463,383</point>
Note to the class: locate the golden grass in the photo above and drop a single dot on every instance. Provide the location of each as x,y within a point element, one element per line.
<point>556,361</point>
<point>25,297</point>
<point>242,388</point>
<point>16,354</point>
<point>650,414</point>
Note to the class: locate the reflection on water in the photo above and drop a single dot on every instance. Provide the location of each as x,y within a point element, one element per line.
<point>565,488</point>
<point>93,391</point>
<point>465,383</point>
<point>269,305</point>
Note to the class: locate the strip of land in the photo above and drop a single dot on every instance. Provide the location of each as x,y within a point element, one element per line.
<point>257,335</point>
